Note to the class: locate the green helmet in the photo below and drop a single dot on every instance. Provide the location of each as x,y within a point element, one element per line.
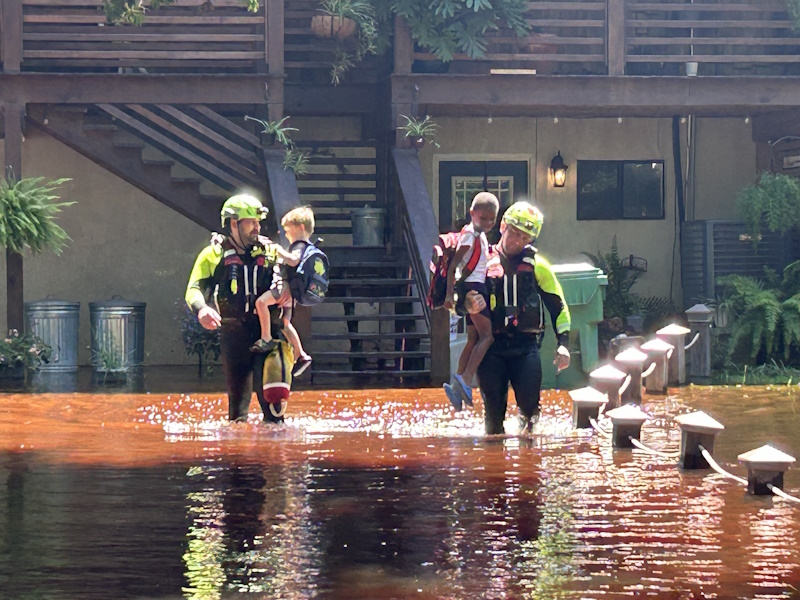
<point>525,217</point>
<point>243,206</point>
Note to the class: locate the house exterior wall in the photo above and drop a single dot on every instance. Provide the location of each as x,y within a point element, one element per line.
<point>128,244</point>
<point>124,243</point>
<point>725,158</point>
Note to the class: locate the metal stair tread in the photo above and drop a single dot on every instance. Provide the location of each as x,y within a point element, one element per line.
<point>371,336</point>
<point>359,282</point>
<point>384,354</point>
<point>370,299</point>
<point>381,317</point>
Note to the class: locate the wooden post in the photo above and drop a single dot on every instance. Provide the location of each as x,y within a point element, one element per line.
<point>403,59</point>
<point>273,36</point>
<point>11,39</point>
<point>615,42</point>
<point>274,47</point>
<point>403,47</point>
<point>14,113</point>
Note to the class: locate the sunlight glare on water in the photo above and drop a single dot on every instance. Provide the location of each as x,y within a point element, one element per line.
<point>384,494</point>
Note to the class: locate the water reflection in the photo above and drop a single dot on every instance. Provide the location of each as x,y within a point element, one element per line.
<point>381,494</point>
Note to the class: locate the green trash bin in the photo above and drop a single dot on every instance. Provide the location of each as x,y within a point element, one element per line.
<point>582,285</point>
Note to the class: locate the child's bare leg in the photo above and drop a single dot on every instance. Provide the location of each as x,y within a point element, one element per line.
<point>472,340</point>
<point>291,334</point>
<point>263,302</point>
<point>483,326</point>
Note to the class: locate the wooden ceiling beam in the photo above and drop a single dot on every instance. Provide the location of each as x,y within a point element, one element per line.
<point>594,96</point>
<point>113,88</point>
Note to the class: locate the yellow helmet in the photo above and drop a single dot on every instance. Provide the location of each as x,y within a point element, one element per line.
<point>243,206</point>
<point>525,217</point>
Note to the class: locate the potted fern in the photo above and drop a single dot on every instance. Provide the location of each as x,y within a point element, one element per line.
<point>29,209</point>
<point>418,131</point>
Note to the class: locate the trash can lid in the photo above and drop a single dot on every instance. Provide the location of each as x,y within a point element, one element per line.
<point>117,302</point>
<point>580,281</point>
<point>50,302</point>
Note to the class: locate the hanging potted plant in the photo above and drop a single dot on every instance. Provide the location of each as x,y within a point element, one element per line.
<point>339,18</point>
<point>417,131</point>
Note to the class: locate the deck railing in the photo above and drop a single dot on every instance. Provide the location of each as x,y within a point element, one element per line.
<point>187,35</point>
<point>568,37</point>
<point>724,37</point>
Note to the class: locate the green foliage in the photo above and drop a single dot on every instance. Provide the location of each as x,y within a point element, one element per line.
<point>277,129</point>
<point>447,27</point>
<point>197,340</point>
<point>28,210</point>
<point>774,201</point>
<point>416,128</point>
<point>133,12</point>
<point>296,160</point>
<point>764,315</point>
<point>793,8</point>
<point>24,350</point>
<point>351,50</point>
<point>619,301</point>
<point>771,372</point>
<point>123,12</point>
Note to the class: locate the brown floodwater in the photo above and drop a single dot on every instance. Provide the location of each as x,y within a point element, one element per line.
<point>379,494</point>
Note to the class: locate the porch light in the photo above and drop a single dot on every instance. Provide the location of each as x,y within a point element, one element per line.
<point>559,170</point>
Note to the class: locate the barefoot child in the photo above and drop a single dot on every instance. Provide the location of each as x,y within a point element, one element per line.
<point>467,272</point>
<point>298,225</point>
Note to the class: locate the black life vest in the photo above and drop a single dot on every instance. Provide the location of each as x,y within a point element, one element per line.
<point>242,278</point>
<point>514,299</point>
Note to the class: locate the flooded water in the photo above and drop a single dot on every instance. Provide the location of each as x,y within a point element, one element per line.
<point>382,494</point>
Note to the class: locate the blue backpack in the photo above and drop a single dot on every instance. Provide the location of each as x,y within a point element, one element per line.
<point>311,278</point>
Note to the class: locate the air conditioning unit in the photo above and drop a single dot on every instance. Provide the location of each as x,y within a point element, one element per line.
<point>715,248</point>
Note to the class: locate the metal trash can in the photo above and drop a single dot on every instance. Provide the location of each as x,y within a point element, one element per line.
<point>117,334</point>
<point>368,226</point>
<point>56,323</point>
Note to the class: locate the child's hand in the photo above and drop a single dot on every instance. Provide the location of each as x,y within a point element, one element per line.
<point>450,301</point>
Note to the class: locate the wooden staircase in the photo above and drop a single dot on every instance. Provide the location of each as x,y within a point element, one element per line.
<point>372,328</point>
<point>188,158</point>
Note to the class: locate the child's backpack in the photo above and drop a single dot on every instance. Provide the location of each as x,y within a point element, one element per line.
<point>443,251</point>
<point>309,284</point>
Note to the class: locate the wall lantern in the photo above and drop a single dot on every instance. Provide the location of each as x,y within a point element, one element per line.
<point>559,170</point>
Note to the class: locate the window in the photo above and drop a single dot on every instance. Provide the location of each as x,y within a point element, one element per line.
<point>617,189</point>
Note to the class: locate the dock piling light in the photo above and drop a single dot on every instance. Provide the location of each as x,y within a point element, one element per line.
<point>700,318</point>
<point>697,429</point>
<point>627,421</point>
<point>765,466</point>
<point>586,404</point>
<point>632,362</point>
<point>675,334</point>
<point>610,381</point>
<point>660,352</point>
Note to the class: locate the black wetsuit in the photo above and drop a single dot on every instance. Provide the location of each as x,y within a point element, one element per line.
<point>519,288</point>
<point>237,280</point>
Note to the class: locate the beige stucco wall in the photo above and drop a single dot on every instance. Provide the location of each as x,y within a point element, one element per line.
<point>725,158</point>
<point>725,163</point>
<point>125,243</point>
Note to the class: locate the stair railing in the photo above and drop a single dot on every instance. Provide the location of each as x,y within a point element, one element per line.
<point>420,230</point>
